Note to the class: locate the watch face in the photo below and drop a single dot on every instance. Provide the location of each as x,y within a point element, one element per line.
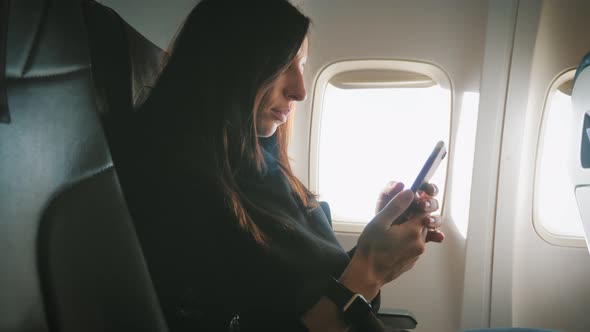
<point>354,306</point>
<point>357,308</point>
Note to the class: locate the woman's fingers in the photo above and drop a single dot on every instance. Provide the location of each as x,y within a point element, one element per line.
<point>426,203</point>
<point>430,189</point>
<point>434,235</point>
<point>391,189</point>
<point>431,221</point>
<point>394,208</point>
<point>429,204</point>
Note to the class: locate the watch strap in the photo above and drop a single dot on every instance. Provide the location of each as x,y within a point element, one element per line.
<point>338,293</point>
<point>354,307</point>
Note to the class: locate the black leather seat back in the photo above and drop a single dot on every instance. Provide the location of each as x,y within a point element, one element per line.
<point>125,64</point>
<point>69,257</point>
<point>125,68</point>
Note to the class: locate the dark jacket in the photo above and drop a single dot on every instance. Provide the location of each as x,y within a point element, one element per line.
<point>209,273</point>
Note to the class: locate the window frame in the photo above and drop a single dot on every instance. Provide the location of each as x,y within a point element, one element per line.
<point>438,75</point>
<point>546,235</point>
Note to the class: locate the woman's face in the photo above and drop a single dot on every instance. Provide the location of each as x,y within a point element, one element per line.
<point>279,101</point>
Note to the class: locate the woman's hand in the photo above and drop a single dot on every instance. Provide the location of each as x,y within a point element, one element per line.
<point>424,201</point>
<point>386,250</point>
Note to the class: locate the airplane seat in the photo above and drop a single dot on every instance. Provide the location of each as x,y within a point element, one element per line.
<point>579,149</point>
<point>69,258</point>
<point>125,68</point>
<point>125,64</point>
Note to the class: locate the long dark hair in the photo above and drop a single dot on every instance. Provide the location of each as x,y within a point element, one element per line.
<point>223,61</point>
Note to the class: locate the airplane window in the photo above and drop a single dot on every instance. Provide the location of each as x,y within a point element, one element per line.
<point>375,131</point>
<point>555,207</point>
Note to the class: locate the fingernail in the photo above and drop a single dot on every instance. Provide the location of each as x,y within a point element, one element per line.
<point>426,205</point>
<point>432,220</point>
<point>435,189</point>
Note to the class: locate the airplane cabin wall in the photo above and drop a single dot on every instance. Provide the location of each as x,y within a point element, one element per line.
<point>513,50</point>
<point>550,284</point>
<point>156,19</point>
<point>448,34</point>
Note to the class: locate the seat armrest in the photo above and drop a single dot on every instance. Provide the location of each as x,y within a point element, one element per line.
<point>397,319</point>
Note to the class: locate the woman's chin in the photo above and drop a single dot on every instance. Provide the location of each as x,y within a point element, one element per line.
<point>266,131</point>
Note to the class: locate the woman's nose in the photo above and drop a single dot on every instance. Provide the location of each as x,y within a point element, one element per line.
<point>295,87</point>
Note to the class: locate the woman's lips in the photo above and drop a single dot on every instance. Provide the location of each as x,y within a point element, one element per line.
<point>280,114</point>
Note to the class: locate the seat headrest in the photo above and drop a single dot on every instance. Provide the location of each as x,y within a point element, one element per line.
<point>581,109</point>
<point>125,65</point>
<point>583,64</point>
<point>579,149</point>
<point>32,30</point>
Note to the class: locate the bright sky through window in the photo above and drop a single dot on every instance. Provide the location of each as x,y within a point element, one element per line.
<point>371,136</point>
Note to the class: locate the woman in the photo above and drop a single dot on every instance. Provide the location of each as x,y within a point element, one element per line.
<point>231,237</point>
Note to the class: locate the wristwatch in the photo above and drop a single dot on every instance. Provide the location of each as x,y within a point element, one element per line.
<point>354,306</point>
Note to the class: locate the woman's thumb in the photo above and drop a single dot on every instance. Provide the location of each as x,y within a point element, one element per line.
<point>395,207</point>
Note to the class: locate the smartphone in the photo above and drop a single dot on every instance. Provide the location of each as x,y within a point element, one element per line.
<point>430,166</point>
